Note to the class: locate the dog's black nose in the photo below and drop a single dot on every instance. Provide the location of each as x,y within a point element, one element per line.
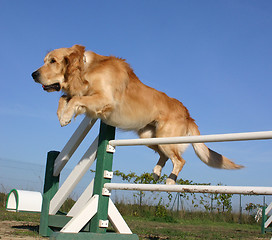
<point>36,76</point>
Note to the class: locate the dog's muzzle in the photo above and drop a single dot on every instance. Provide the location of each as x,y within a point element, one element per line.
<point>48,88</point>
<point>36,76</point>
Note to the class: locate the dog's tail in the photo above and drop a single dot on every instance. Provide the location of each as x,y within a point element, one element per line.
<point>208,156</point>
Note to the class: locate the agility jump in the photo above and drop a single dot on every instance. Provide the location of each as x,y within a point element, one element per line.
<point>90,215</point>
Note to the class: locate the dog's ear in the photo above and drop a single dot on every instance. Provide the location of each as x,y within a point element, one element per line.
<point>75,52</point>
<point>74,66</point>
<point>78,48</point>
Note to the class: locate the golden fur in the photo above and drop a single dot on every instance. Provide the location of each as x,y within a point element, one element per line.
<point>106,87</point>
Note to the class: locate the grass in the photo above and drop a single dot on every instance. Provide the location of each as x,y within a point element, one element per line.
<point>155,223</point>
<point>22,216</point>
<point>160,213</point>
<point>147,229</point>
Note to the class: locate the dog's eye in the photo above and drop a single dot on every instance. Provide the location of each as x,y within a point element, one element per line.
<point>52,60</point>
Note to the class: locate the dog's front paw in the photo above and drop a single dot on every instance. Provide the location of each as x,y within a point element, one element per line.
<point>64,120</point>
<point>59,114</point>
<point>63,101</point>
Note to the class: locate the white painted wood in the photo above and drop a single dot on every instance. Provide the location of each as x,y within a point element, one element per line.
<point>103,223</point>
<point>108,174</point>
<point>73,144</point>
<point>268,209</point>
<point>191,188</point>
<point>73,179</point>
<point>194,139</point>
<point>117,220</point>
<point>83,217</point>
<point>268,221</point>
<point>83,199</point>
<point>105,192</point>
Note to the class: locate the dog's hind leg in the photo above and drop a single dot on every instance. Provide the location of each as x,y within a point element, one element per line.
<point>173,151</point>
<point>160,164</point>
<point>149,132</point>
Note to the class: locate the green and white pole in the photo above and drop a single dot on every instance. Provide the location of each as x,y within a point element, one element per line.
<point>103,166</point>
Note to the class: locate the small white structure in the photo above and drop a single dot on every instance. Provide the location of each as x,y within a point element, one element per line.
<point>24,201</point>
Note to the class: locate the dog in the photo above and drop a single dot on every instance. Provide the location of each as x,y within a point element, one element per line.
<point>106,87</point>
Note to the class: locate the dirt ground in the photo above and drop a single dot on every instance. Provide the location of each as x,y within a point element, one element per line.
<point>14,230</point>
<point>18,230</point>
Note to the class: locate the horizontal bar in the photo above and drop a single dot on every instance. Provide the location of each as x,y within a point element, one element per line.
<point>191,188</point>
<point>194,139</point>
<point>71,146</point>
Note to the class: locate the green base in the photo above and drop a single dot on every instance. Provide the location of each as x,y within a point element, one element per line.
<point>92,236</point>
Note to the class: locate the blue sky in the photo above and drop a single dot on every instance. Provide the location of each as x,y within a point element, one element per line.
<point>214,56</point>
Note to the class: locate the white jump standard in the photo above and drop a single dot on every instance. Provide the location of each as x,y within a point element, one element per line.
<point>90,215</point>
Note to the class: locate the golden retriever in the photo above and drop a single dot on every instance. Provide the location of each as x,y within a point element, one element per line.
<point>106,87</point>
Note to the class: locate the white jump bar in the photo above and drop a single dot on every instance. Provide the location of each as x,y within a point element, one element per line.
<point>194,139</point>
<point>191,188</point>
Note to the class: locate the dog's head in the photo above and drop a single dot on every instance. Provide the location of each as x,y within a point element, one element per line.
<point>61,66</point>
